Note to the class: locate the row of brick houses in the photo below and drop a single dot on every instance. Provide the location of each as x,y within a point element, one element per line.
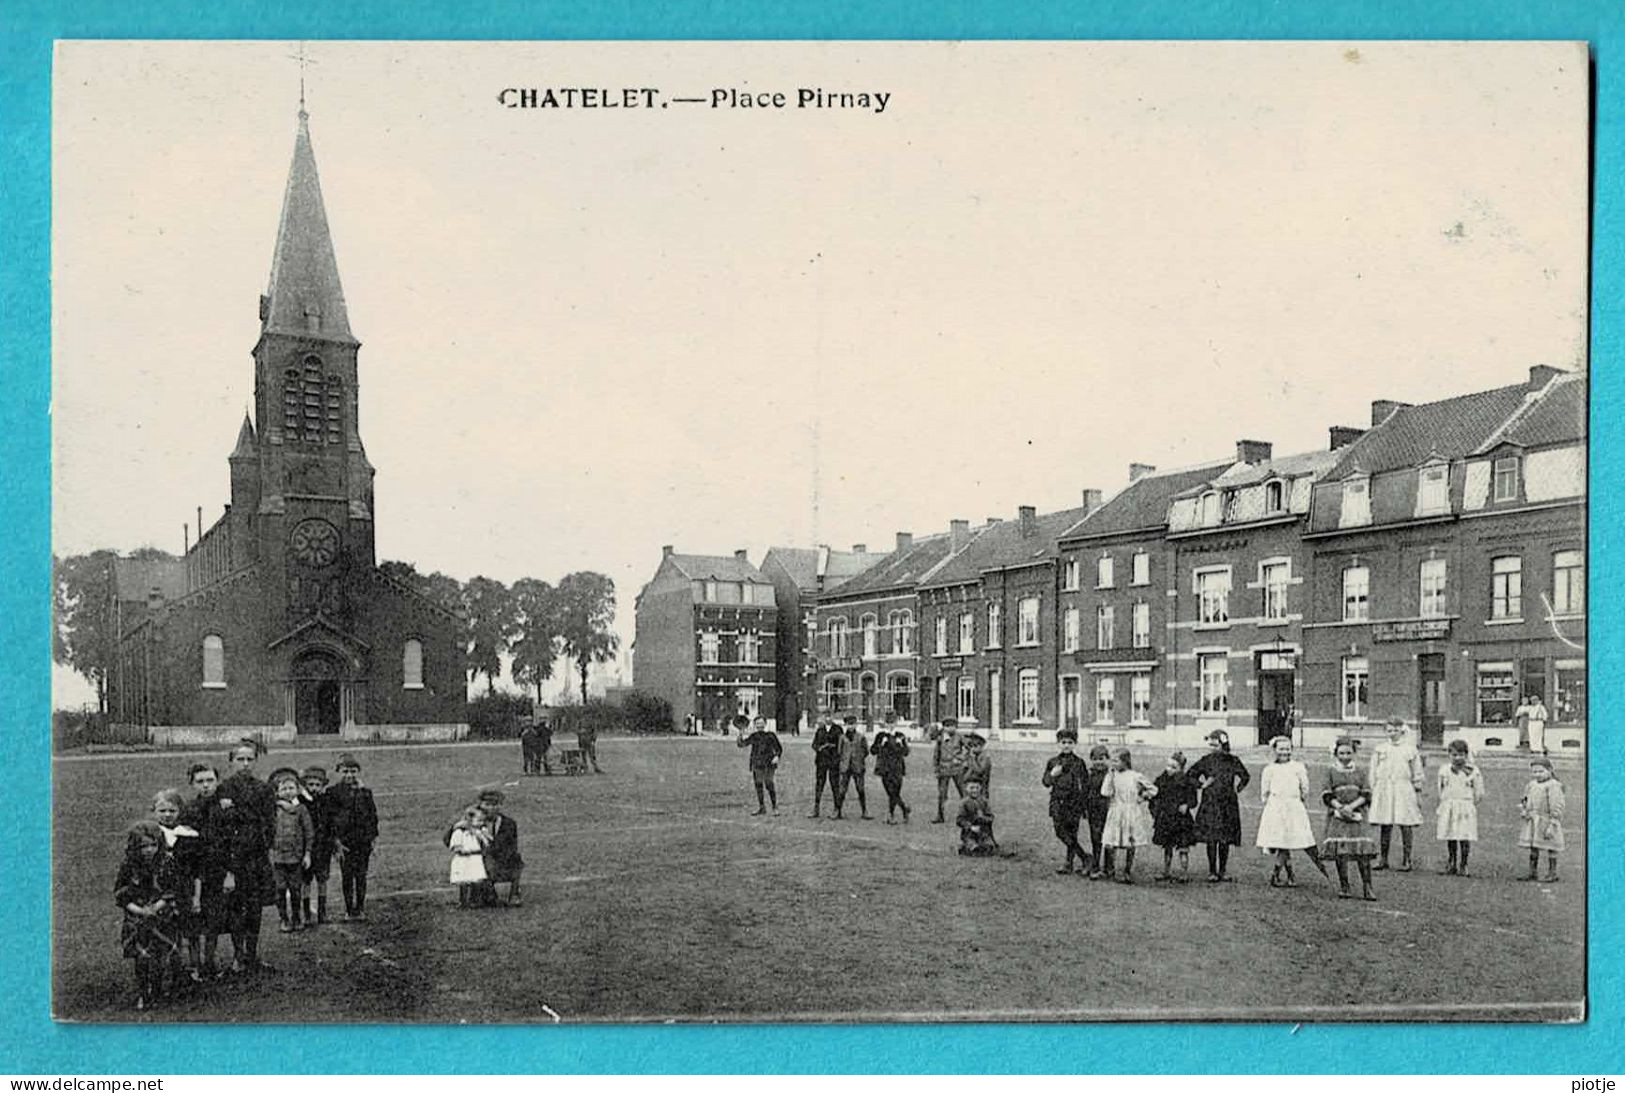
<point>1430,566</point>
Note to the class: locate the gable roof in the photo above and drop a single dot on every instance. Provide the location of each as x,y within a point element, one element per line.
<point>709,567</point>
<point>799,563</point>
<point>841,566</point>
<point>902,569</point>
<point>1238,475</point>
<point>1556,416</point>
<point>1452,428</point>
<point>1143,504</point>
<point>1003,546</point>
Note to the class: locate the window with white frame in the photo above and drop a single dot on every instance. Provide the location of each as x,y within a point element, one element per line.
<point>748,700</point>
<point>1070,574</point>
<point>1213,596</point>
<point>1139,698</point>
<point>1568,583</point>
<point>1105,700</point>
<point>1140,568</point>
<point>967,632</point>
<point>941,636</point>
<point>1435,574</point>
<point>1213,677</point>
<point>1276,577</point>
<point>1027,695</point>
<point>1275,497</point>
<point>412,665</point>
<point>1141,618</point>
<point>1433,490</point>
<point>1210,509</point>
<point>1506,478</point>
<point>901,625</point>
<point>214,661</point>
<point>836,691</point>
<point>1356,594</point>
<point>1104,575</point>
<point>900,686</point>
<point>1569,692</point>
<point>967,698</point>
<point>1497,693</point>
<point>1069,631</point>
<point>994,634</point>
<point>1105,626</point>
<point>1356,503</point>
<point>837,637</point>
<point>1506,588</point>
<point>1356,688</point>
<point>750,648</point>
<point>710,647</point>
<point>871,636</point>
<point>1027,621</point>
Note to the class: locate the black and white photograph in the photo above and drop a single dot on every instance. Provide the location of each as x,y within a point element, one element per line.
<point>819,532</point>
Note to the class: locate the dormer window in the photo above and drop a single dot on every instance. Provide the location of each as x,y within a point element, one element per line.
<point>1433,490</point>
<point>1275,496</point>
<point>1210,509</point>
<point>1506,478</point>
<point>1356,503</point>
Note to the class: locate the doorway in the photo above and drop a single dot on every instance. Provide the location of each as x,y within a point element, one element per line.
<point>1277,693</point>
<point>318,694</point>
<point>1430,715</point>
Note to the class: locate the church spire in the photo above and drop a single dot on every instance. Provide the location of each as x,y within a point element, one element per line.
<point>245,448</point>
<point>305,296</point>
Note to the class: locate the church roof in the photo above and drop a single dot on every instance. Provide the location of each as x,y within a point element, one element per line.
<point>245,440</point>
<point>304,296</point>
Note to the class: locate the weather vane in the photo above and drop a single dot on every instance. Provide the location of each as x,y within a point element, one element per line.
<point>303,61</point>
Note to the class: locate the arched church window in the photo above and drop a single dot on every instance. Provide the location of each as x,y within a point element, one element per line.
<point>214,661</point>
<point>412,665</point>
<point>335,409</point>
<point>290,403</point>
<point>313,388</point>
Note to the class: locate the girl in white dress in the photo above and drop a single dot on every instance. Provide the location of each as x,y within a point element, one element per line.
<point>1542,810</point>
<point>1128,820</point>
<point>1461,787</point>
<point>1396,779</point>
<point>468,840</point>
<point>1284,826</point>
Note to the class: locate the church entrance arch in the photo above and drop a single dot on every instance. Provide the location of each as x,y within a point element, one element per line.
<point>318,692</point>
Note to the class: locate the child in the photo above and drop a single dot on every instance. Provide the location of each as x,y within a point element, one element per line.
<point>1284,827</point>
<point>826,745</point>
<point>1128,820</point>
<point>355,829</point>
<point>502,859</point>
<point>853,762</point>
<point>202,815</point>
<point>246,822</point>
<point>1067,777</point>
<point>1542,812</point>
<point>1461,787</point>
<point>1396,779</point>
<point>321,851</point>
<point>148,892</point>
<point>890,750</point>
<point>1347,798</point>
<point>1172,826</point>
<point>468,839</point>
<point>947,762</point>
<point>1220,777</point>
<point>1096,805</point>
<point>978,763</point>
<point>976,824</point>
<point>765,750</point>
<point>292,838</point>
<point>182,845</point>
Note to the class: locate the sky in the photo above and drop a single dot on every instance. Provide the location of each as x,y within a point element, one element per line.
<point>589,333</point>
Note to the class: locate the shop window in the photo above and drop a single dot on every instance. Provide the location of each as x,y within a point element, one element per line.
<point>1569,692</point>
<point>1497,694</point>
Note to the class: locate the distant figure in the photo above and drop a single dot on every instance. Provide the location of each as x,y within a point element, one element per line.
<point>587,740</point>
<point>890,749</point>
<point>826,745</point>
<point>1532,716</point>
<point>544,743</point>
<point>765,750</point>
<point>528,754</point>
<point>854,763</point>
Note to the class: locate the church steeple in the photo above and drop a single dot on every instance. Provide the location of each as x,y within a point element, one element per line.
<point>304,297</point>
<point>246,448</point>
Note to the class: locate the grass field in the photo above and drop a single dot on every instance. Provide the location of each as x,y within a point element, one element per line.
<point>651,893</point>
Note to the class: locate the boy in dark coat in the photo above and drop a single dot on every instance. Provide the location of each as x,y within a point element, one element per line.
<point>544,743</point>
<point>246,827</point>
<point>826,745</point>
<point>765,750</point>
<point>1067,777</point>
<point>321,849</point>
<point>853,761</point>
<point>1096,806</point>
<point>527,748</point>
<point>202,815</point>
<point>889,749</point>
<point>503,862</point>
<point>355,829</point>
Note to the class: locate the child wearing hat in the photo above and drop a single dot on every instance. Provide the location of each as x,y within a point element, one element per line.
<point>321,850</point>
<point>1067,778</point>
<point>355,829</point>
<point>947,762</point>
<point>1095,807</point>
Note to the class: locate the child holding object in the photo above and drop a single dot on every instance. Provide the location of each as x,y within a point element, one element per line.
<point>148,892</point>
<point>1461,787</point>
<point>1347,798</point>
<point>468,839</point>
<point>1542,811</point>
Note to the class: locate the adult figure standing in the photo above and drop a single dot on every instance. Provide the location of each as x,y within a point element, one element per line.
<point>1532,716</point>
<point>826,745</point>
<point>854,764</point>
<point>1220,777</point>
<point>1396,779</point>
<point>587,739</point>
<point>544,743</point>
<point>890,749</point>
<point>247,824</point>
<point>527,747</point>
<point>947,762</point>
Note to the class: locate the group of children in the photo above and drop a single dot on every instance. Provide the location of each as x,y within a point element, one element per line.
<point>484,845</point>
<point>208,865</point>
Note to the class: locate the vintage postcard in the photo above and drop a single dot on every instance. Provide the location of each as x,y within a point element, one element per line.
<point>620,532</point>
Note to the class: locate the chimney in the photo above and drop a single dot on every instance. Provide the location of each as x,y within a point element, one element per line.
<point>1091,500</point>
<point>1344,435</point>
<point>1253,451</point>
<point>740,555</point>
<point>860,548</point>
<point>1137,471</point>
<point>1029,520</point>
<point>958,534</point>
<point>1382,409</point>
<point>665,551</point>
<point>1542,374</point>
<point>905,541</point>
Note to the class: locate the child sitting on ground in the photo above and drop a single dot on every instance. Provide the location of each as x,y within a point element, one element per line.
<point>468,839</point>
<point>976,824</point>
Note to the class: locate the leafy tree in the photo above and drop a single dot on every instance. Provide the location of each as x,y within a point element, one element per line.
<point>586,612</point>
<point>82,635</point>
<point>443,590</point>
<point>534,641</point>
<point>489,607</point>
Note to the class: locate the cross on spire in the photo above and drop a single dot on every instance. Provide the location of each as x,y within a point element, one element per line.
<point>303,61</point>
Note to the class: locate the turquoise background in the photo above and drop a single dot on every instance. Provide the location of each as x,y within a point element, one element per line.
<point>31,1043</point>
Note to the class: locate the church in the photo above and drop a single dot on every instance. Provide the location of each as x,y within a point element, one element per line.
<point>278,622</point>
